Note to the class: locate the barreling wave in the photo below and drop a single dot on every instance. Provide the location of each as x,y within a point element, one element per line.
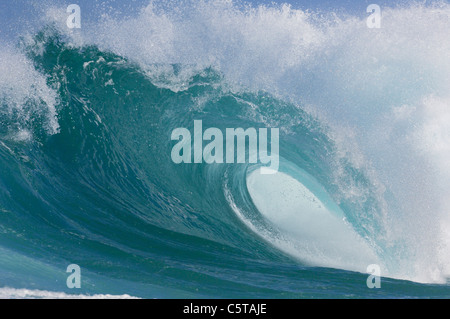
<point>86,175</point>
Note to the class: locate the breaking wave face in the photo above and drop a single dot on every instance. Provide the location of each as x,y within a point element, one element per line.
<point>86,175</point>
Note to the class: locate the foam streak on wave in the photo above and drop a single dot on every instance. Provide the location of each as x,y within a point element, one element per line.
<point>12,293</point>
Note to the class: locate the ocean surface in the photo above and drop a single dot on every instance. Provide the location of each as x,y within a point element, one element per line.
<point>86,175</point>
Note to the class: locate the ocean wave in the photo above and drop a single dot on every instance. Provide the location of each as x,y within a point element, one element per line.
<point>85,146</point>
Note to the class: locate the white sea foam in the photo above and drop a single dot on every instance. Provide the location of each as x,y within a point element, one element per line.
<point>24,96</point>
<point>12,293</point>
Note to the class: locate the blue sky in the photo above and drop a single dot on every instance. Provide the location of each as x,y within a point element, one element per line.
<point>18,15</point>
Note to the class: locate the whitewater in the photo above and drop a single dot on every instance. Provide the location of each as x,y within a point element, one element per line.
<point>86,174</point>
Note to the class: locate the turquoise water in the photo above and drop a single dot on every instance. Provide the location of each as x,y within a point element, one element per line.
<point>86,175</point>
